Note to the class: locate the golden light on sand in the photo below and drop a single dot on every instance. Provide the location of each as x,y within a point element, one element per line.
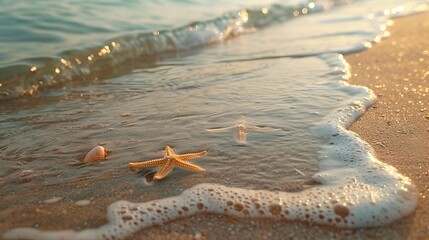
<point>66,63</point>
<point>104,50</point>
<point>33,69</point>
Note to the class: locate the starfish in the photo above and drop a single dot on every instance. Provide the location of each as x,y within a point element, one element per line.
<point>242,129</point>
<point>169,161</point>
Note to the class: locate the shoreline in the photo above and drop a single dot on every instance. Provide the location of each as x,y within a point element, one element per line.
<point>397,125</point>
<point>368,127</point>
<point>394,135</point>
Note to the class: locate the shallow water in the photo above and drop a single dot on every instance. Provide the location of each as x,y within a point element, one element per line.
<point>134,117</point>
<point>275,72</point>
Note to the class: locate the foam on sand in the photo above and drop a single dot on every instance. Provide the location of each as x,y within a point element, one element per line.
<point>356,190</point>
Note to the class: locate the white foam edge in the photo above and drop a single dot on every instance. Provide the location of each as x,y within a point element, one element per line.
<point>353,182</point>
<point>356,190</point>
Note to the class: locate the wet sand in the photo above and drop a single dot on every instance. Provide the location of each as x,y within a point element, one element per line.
<point>397,126</point>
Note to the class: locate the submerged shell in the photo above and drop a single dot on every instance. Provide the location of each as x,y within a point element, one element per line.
<point>96,154</point>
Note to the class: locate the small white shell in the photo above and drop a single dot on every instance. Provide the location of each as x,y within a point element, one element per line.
<point>96,154</point>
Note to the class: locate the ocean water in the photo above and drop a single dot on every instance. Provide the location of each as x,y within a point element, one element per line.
<point>137,76</point>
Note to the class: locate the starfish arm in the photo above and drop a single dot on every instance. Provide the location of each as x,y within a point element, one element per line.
<point>169,151</point>
<point>188,156</point>
<point>241,136</point>
<point>165,170</point>
<point>150,163</point>
<point>188,166</point>
<point>220,129</point>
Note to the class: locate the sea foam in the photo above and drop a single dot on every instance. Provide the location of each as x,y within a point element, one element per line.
<point>356,190</point>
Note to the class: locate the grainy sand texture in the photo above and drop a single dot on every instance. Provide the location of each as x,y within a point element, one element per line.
<point>397,126</point>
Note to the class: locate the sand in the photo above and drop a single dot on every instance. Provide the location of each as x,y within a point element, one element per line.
<point>397,126</point>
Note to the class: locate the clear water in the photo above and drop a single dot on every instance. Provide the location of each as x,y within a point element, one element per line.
<point>136,76</point>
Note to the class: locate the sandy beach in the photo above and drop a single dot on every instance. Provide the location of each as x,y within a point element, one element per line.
<point>397,127</point>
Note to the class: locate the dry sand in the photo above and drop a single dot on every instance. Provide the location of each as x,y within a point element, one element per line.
<point>397,127</point>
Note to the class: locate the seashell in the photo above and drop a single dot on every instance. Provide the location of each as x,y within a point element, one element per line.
<point>96,154</point>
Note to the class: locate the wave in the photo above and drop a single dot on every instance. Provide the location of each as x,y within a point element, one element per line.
<point>121,55</point>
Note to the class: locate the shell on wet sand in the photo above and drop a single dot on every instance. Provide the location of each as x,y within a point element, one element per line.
<point>96,154</point>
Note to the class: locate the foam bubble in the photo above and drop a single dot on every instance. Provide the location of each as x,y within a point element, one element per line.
<point>356,190</point>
